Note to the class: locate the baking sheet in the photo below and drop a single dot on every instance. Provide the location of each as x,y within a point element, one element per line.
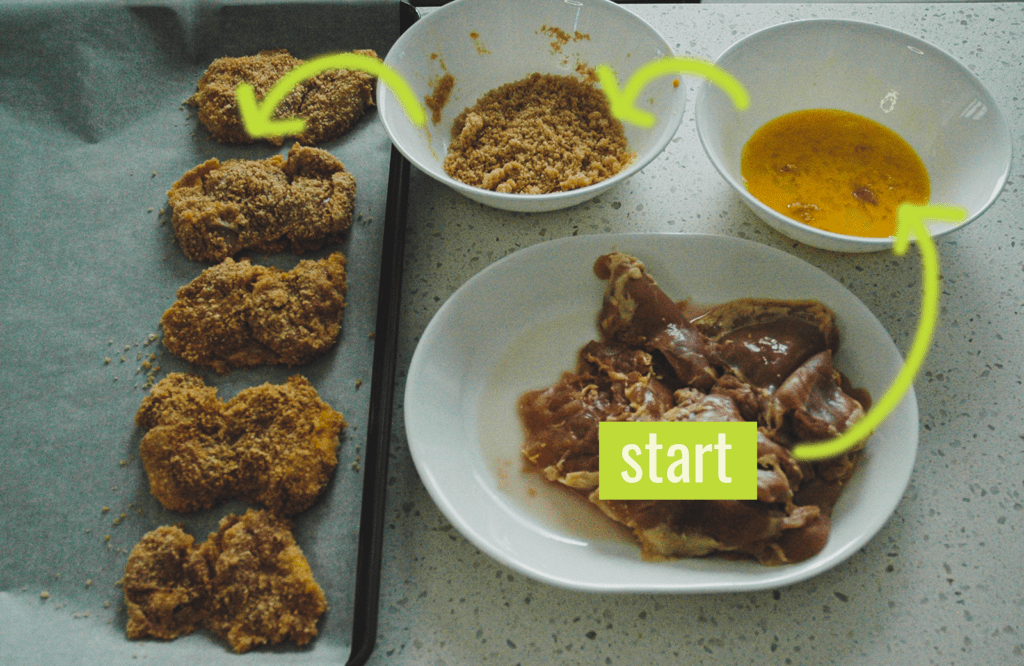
<point>93,133</point>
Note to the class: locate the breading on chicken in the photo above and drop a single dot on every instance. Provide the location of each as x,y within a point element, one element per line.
<point>274,205</point>
<point>165,585</point>
<point>248,583</point>
<point>236,315</point>
<point>272,445</point>
<point>330,102</point>
<point>262,588</point>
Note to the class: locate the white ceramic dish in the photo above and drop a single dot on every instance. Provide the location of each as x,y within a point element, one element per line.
<point>922,93</point>
<point>518,325</point>
<point>486,43</point>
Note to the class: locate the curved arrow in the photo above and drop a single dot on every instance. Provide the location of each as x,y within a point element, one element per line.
<point>910,220</point>
<point>258,118</point>
<point>621,102</point>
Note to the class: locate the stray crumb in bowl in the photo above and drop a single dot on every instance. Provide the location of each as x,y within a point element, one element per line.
<point>438,97</point>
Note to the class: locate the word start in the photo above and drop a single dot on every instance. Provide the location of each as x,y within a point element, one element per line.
<point>678,471</point>
<point>679,461</point>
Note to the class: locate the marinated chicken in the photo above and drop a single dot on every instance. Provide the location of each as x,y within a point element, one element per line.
<point>767,361</point>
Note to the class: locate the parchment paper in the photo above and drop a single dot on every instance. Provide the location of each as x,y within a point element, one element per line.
<point>93,132</point>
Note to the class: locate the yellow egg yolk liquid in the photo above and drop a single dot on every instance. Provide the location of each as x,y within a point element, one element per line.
<point>834,170</point>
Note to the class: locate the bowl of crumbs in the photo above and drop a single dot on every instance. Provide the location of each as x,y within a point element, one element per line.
<point>516,119</point>
<point>847,122</point>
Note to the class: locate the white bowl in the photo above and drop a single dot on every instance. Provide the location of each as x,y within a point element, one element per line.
<point>520,322</point>
<point>487,43</point>
<point>922,93</point>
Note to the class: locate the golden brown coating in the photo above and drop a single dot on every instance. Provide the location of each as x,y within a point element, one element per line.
<point>236,315</point>
<point>249,583</point>
<point>285,439</point>
<point>542,134</point>
<point>165,585</point>
<point>273,445</point>
<point>207,325</point>
<point>296,204</point>
<point>262,591</point>
<point>298,314</point>
<point>189,462</point>
<point>330,102</point>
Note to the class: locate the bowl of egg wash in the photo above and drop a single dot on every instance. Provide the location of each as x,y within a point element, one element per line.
<point>847,121</point>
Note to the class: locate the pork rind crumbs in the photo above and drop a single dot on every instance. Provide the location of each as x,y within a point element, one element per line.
<point>545,133</point>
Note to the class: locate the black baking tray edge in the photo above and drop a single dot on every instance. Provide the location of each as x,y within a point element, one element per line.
<point>382,388</point>
<point>371,526</point>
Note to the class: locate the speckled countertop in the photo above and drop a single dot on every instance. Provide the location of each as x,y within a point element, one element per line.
<point>940,584</point>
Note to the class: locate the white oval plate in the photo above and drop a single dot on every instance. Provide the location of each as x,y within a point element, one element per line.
<point>518,324</point>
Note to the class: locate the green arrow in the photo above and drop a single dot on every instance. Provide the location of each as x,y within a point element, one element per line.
<point>621,101</point>
<point>258,118</point>
<point>910,221</point>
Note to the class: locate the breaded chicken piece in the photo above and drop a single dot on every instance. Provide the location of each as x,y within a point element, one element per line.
<point>236,315</point>
<point>165,584</point>
<point>274,205</point>
<point>262,589</point>
<point>190,463</point>
<point>330,102</point>
<point>285,439</point>
<point>273,445</point>
<point>249,583</point>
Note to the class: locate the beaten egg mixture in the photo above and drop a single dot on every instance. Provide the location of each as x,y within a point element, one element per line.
<point>834,170</point>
